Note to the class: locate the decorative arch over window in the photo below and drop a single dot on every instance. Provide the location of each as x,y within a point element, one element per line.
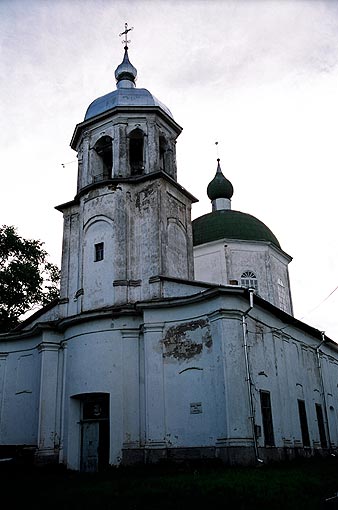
<point>249,279</point>
<point>136,152</point>
<point>104,149</point>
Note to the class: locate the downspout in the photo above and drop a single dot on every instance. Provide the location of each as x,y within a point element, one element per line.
<point>248,376</point>
<point>63,396</point>
<point>323,388</point>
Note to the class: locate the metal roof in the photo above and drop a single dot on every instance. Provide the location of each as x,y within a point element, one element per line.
<point>124,97</point>
<point>228,224</point>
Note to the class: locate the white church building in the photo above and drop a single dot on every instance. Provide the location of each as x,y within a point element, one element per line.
<point>172,339</point>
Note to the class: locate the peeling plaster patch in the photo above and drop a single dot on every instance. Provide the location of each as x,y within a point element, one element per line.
<point>182,344</point>
<point>259,333</point>
<point>143,197</point>
<point>114,187</point>
<point>206,338</point>
<point>92,194</point>
<point>182,349</point>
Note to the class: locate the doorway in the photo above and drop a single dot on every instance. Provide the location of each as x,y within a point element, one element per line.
<point>95,432</point>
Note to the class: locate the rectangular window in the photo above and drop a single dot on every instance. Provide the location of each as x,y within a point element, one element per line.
<point>303,423</point>
<point>267,418</point>
<point>321,427</point>
<point>99,251</point>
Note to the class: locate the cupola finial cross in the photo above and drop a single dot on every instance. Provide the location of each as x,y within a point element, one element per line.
<point>216,143</point>
<point>126,30</point>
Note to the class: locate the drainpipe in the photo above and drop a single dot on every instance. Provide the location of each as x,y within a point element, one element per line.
<point>248,376</point>
<point>63,405</point>
<point>323,388</point>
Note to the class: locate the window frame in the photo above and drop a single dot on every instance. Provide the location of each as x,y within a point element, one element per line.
<point>99,252</point>
<point>267,421</point>
<point>249,280</point>
<point>304,427</point>
<point>321,425</point>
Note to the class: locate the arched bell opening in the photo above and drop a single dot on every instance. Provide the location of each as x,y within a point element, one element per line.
<point>104,150</point>
<point>136,152</point>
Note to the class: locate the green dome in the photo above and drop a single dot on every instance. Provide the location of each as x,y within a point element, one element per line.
<point>229,224</point>
<point>219,187</point>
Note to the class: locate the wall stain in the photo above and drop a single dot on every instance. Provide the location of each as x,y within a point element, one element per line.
<point>179,343</point>
<point>114,187</point>
<point>143,197</point>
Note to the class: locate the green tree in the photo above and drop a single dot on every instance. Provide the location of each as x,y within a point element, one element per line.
<point>27,279</point>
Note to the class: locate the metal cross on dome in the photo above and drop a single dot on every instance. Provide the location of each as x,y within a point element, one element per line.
<point>126,30</point>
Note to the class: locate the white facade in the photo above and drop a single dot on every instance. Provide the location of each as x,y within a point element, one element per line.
<point>173,374</point>
<point>227,261</point>
<point>138,361</point>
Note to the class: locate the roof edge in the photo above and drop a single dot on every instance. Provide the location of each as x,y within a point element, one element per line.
<point>121,109</point>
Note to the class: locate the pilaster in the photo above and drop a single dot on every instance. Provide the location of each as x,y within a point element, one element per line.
<point>154,387</point>
<point>3,360</point>
<point>48,429</point>
<point>153,150</point>
<point>84,180</point>
<point>63,374</point>
<point>120,146</point>
<point>131,387</point>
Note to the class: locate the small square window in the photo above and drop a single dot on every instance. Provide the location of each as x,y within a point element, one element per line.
<point>99,251</point>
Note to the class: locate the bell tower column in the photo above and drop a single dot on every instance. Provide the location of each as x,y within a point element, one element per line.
<point>120,149</point>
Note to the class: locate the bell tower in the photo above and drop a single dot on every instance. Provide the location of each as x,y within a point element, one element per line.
<point>130,220</point>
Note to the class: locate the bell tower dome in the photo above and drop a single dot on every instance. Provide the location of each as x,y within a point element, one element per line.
<point>130,220</point>
<point>125,133</point>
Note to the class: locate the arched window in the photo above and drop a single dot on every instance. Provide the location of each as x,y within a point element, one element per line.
<point>249,279</point>
<point>136,152</point>
<point>282,296</point>
<point>104,150</point>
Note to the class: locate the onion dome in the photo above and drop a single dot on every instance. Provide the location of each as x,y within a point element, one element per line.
<point>126,93</point>
<point>219,187</point>
<point>125,72</point>
<point>223,223</point>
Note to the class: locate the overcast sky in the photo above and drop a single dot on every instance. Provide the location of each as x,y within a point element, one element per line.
<point>260,77</point>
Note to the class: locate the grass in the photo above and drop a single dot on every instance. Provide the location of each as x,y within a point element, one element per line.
<point>305,484</point>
